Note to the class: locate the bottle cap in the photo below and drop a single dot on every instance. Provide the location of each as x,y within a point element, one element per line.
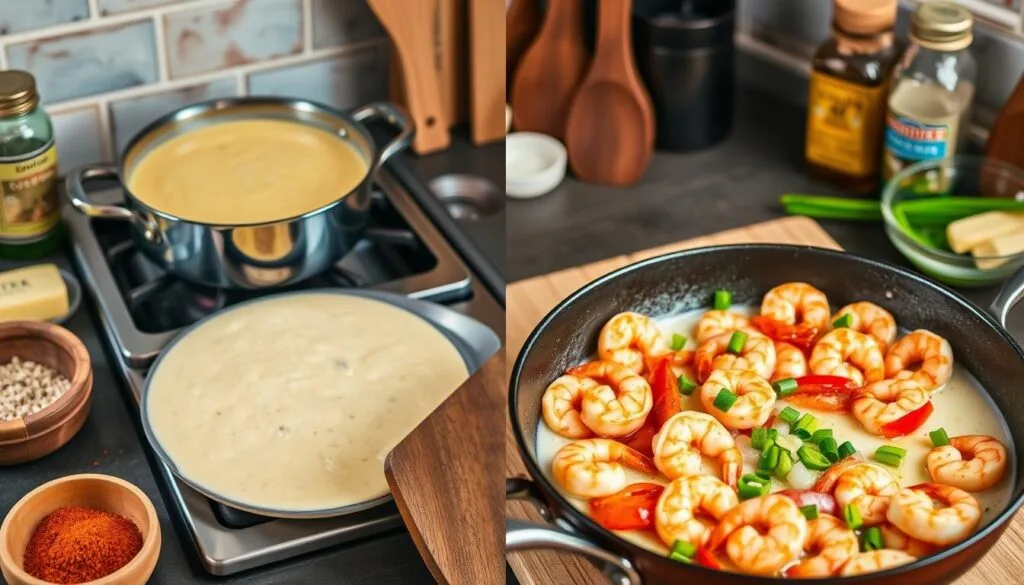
<point>943,26</point>
<point>17,92</point>
<point>865,17</point>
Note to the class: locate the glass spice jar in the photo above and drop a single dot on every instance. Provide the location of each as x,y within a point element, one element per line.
<point>848,90</point>
<point>30,210</point>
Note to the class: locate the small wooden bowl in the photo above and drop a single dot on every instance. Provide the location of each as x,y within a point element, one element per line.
<point>42,433</point>
<point>99,492</point>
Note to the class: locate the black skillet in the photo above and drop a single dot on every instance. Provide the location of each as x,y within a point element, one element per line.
<point>685,281</point>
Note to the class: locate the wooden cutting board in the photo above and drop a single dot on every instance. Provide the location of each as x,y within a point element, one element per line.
<point>446,479</point>
<point>529,300</point>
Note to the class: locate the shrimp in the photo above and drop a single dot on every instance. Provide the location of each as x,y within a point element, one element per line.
<point>754,402</point>
<point>931,353</point>
<point>690,507</point>
<point>869,488</point>
<point>761,535</point>
<point>757,355</point>
<point>972,463</point>
<point>913,511</point>
<point>881,403</point>
<point>686,436</point>
<point>871,319</point>
<point>895,539</point>
<point>826,483</point>
<point>619,404</point>
<point>797,302</point>
<point>627,337</point>
<point>790,362</point>
<point>828,546</point>
<point>592,468</point>
<point>850,354</point>
<point>714,323</point>
<point>874,561</point>
<point>561,403</point>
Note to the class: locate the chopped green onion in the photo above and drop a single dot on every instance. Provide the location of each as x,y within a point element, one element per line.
<point>773,434</point>
<point>812,458</point>
<point>723,299</point>
<point>810,512</point>
<point>737,341</point>
<point>802,434</point>
<point>725,400</point>
<point>789,415</point>
<point>890,455</point>
<point>769,458</point>
<point>829,449</point>
<point>785,387</point>
<point>763,473</point>
<point>939,437</point>
<point>752,486</point>
<point>845,320</point>
<point>784,465</point>
<point>678,341</point>
<point>680,558</point>
<point>758,438</point>
<point>871,539</point>
<point>820,435</point>
<point>808,423</point>
<point>681,547</point>
<point>686,385</point>
<point>790,442</point>
<point>852,516</point>
<point>846,449</point>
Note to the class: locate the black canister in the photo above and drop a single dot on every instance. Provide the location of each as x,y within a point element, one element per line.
<point>686,57</point>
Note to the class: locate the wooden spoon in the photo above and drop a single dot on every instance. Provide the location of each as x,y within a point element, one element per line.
<point>411,27</point>
<point>446,478</point>
<point>610,136</point>
<point>522,21</point>
<point>551,71</point>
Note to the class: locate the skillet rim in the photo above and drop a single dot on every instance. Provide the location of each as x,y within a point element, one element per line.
<point>590,527</point>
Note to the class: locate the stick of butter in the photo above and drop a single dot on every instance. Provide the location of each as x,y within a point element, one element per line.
<point>967,233</point>
<point>35,293</point>
<point>1006,245</point>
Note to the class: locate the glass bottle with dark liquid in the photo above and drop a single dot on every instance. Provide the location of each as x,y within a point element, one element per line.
<point>848,92</point>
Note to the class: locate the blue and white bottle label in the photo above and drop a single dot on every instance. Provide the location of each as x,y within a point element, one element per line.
<point>908,141</point>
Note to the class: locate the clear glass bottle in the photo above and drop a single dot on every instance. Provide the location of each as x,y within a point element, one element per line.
<point>932,88</point>
<point>30,210</point>
<point>848,91</point>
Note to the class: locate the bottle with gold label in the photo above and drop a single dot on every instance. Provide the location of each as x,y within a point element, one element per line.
<point>848,90</point>
<point>30,211</point>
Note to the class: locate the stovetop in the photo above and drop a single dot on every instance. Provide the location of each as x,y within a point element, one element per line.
<point>142,308</point>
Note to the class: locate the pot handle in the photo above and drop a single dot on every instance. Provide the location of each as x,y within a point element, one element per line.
<point>1011,294</point>
<point>393,115</point>
<point>522,536</point>
<point>74,185</point>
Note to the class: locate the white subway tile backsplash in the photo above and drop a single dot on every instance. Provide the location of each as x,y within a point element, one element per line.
<point>79,137</point>
<point>107,7</point>
<point>89,62</point>
<point>344,82</point>
<point>22,15</point>
<point>226,34</point>
<point>130,115</point>
<point>343,22</point>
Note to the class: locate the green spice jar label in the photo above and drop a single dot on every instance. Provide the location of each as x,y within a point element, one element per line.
<point>28,185</point>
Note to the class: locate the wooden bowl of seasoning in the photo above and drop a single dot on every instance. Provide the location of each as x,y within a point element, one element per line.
<point>45,389</point>
<point>89,528</point>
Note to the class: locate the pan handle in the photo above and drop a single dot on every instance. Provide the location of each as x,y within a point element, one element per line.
<point>1011,294</point>
<point>394,116</point>
<point>523,536</point>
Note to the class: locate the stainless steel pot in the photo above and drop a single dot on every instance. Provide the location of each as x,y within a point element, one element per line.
<point>248,256</point>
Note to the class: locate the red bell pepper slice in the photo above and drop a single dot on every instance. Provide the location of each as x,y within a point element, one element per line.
<point>827,393</point>
<point>665,388</point>
<point>909,422</point>
<point>630,509</point>
<point>642,439</point>
<point>801,335</point>
<point>707,558</point>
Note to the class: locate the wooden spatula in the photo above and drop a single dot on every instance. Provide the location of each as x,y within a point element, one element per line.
<point>610,136</point>
<point>551,71</point>
<point>411,26</point>
<point>447,477</point>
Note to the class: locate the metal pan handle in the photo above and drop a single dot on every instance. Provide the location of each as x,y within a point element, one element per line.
<point>1011,294</point>
<point>74,184</point>
<point>523,536</point>
<point>393,115</point>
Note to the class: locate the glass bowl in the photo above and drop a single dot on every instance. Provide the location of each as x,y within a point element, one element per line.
<point>961,176</point>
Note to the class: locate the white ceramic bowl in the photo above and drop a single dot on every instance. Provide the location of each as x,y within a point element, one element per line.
<point>534,164</point>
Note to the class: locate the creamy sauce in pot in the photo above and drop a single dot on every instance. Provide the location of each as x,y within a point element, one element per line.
<point>247,172</point>
<point>961,407</point>
<point>293,403</point>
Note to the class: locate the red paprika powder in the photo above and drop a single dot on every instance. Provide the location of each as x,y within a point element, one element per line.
<point>76,545</point>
